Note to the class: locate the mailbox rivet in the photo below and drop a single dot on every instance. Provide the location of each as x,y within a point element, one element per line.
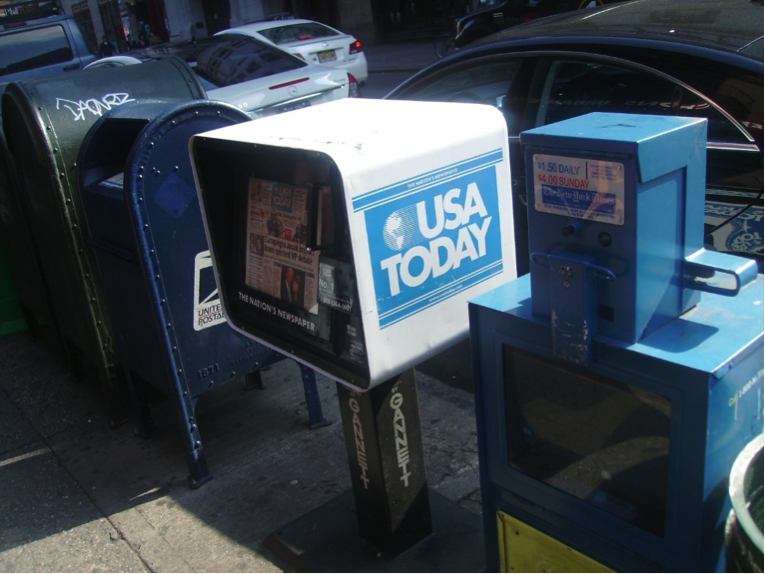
<point>193,428</point>
<point>162,302</point>
<point>74,226</point>
<point>169,325</point>
<point>156,277</point>
<point>567,284</point>
<point>146,226</point>
<point>175,349</point>
<point>197,444</point>
<point>180,371</point>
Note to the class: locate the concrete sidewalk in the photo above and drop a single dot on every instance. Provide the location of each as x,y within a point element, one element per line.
<point>78,496</point>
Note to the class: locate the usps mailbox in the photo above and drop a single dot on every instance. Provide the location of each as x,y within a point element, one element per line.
<point>45,120</point>
<point>145,227</point>
<point>618,380</point>
<point>351,236</point>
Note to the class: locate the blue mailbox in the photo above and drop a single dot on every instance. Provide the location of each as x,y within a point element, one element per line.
<point>145,225</point>
<point>618,380</point>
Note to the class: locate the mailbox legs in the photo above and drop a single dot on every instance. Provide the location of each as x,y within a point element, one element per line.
<point>383,437</point>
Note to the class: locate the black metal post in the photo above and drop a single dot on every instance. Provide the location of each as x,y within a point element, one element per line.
<point>383,437</point>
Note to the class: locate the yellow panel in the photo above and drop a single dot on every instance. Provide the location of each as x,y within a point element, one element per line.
<point>526,549</point>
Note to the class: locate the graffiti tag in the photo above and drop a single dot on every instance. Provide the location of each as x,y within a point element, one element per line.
<point>92,105</point>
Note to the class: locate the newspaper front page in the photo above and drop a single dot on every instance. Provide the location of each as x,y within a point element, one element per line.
<point>277,261</point>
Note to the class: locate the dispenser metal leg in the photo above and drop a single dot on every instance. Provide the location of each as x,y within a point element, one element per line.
<point>312,399</point>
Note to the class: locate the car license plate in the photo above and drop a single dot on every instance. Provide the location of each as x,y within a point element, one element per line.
<point>293,107</point>
<point>327,56</point>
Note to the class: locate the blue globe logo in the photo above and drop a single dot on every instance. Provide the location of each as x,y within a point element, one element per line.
<point>401,230</point>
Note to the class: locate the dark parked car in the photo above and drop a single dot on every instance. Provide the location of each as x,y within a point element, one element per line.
<point>499,16</point>
<point>697,58</point>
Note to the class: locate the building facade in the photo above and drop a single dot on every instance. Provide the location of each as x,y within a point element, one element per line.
<point>147,21</point>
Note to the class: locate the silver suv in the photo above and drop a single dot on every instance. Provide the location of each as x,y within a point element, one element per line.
<point>38,39</point>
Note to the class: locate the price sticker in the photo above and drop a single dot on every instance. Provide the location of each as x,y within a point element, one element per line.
<point>579,188</point>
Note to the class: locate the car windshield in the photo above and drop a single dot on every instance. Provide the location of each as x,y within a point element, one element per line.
<point>297,32</point>
<point>225,61</point>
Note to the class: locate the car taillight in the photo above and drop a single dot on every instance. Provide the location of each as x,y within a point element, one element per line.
<point>353,87</point>
<point>355,48</point>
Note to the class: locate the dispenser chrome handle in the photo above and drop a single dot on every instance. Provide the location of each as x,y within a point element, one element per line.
<point>706,264</point>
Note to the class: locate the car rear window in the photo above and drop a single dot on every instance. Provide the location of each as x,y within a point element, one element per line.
<point>574,88</point>
<point>240,60</point>
<point>34,48</point>
<point>297,33</point>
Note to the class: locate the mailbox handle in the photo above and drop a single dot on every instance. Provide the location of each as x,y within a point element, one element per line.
<point>706,264</point>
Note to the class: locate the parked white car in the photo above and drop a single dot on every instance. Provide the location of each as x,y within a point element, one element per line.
<point>311,41</point>
<point>252,75</point>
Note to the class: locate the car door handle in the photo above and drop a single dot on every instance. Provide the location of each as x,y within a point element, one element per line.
<point>71,67</point>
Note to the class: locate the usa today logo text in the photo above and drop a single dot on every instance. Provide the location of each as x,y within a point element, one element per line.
<point>433,236</point>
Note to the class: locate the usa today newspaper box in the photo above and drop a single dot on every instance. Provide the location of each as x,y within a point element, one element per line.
<point>351,236</point>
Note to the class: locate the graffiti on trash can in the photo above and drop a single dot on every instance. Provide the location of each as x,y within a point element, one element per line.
<point>92,105</point>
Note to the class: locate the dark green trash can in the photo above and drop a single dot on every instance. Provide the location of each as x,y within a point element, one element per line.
<point>23,292</point>
<point>45,121</point>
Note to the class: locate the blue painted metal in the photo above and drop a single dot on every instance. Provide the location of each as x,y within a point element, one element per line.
<point>617,382</point>
<point>145,222</point>
<point>709,365</point>
<point>654,242</point>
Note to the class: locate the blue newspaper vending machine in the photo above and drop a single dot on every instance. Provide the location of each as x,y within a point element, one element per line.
<point>618,380</point>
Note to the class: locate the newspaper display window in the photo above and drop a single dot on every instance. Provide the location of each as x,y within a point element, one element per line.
<point>278,261</point>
